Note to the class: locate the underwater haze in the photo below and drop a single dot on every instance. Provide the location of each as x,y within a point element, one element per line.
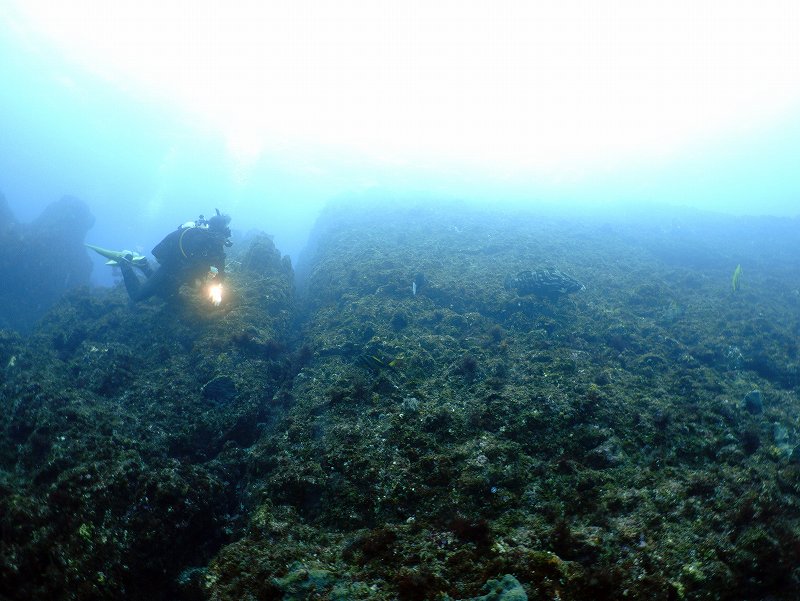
<point>152,115</point>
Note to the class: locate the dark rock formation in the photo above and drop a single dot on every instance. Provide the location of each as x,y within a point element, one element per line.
<point>123,433</point>
<point>41,260</point>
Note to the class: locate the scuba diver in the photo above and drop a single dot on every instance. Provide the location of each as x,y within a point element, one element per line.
<point>191,252</point>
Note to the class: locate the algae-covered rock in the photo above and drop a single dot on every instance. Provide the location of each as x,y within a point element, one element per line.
<point>506,588</point>
<point>221,389</point>
<point>124,428</point>
<point>390,435</point>
<point>753,403</point>
<point>304,582</point>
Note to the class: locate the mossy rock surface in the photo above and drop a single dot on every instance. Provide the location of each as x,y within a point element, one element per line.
<point>405,427</point>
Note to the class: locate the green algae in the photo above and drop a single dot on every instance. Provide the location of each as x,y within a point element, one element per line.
<point>506,588</point>
<point>596,447</point>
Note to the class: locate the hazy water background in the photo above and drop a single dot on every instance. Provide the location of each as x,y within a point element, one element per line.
<point>145,165</point>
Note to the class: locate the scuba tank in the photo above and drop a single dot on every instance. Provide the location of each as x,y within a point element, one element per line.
<point>171,247</point>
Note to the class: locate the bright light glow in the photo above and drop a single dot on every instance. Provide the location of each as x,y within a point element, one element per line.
<point>215,294</point>
<point>545,87</point>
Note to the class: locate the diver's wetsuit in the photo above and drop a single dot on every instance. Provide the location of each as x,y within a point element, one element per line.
<point>184,255</point>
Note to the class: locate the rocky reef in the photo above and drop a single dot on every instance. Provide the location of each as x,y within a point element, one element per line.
<point>408,428</point>
<point>41,260</point>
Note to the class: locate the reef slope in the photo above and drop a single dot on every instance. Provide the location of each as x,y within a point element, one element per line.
<point>408,428</point>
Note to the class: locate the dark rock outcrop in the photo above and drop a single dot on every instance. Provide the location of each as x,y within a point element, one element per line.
<point>41,260</point>
<point>123,433</point>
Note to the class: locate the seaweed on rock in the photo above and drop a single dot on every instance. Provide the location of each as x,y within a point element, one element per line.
<point>120,472</point>
<point>410,429</point>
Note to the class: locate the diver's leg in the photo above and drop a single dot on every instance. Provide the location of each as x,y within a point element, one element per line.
<point>144,267</point>
<point>156,284</point>
<point>161,283</point>
<point>158,281</point>
<point>132,283</point>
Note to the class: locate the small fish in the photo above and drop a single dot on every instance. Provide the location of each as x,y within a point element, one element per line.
<point>418,283</point>
<point>737,276</point>
<point>375,363</point>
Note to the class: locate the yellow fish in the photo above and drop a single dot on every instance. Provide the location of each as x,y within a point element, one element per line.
<point>737,275</point>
